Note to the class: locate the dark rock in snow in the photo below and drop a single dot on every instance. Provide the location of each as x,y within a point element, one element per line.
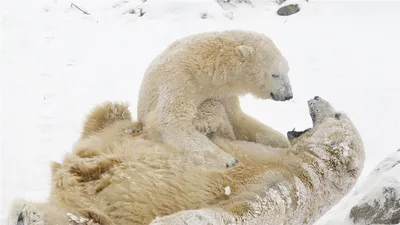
<point>385,210</point>
<point>380,202</point>
<point>280,2</point>
<point>288,10</point>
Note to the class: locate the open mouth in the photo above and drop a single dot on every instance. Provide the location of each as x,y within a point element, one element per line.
<point>313,114</point>
<point>295,134</point>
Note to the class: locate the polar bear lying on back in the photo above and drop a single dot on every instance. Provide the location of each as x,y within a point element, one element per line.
<point>220,66</point>
<point>117,174</point>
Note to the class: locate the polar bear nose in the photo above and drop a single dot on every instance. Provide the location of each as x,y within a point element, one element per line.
<point>317,98</point>
<point>288,97</point>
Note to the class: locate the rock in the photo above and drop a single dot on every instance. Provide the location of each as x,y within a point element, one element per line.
<point>288,10</point>
<point>280,2</point>
<point>385,210</point>
<point>380,195</point>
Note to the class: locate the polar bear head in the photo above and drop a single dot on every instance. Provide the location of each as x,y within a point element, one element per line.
<point>265,67</point>
<point>326,122</point>
<point>334,140</point>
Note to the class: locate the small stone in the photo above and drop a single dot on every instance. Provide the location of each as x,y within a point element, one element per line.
<point>288,10</point>
<point>280,1</point>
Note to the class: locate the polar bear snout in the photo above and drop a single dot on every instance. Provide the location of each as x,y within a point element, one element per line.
<point>282,98</point>
<point>283,94</point>
<point>320,109</point>
<point>288,94</point>
<point>288,97</point>
<point>281,89</point>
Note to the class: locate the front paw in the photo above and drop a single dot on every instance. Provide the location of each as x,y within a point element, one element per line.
<point>217,159</point>
<point>204,126</point>
<point>221,159</point>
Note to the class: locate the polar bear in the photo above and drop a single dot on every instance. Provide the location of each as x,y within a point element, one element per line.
<point>220,66</point>
<point>115,176</point>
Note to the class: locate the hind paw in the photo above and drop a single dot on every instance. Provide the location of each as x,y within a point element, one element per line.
<point>24,213</point>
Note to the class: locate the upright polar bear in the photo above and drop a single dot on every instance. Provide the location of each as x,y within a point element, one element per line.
<point>117,174</point>
<point>219,66</point>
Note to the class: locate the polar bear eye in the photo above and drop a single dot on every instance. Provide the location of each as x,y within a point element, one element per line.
<point>275,75</point>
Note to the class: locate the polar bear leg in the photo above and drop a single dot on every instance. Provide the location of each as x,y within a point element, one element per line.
<point>212,119</point>
<point>249,129</point>
<point>174,121</point>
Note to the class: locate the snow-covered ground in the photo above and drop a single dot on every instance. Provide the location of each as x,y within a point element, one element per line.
<point>56,63</point>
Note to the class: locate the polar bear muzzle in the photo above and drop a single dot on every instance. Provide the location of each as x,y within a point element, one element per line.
<point>320,110</point>
<point>282,89</point>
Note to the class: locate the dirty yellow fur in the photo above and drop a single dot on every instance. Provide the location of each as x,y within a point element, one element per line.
<point>219,66</point>
<point>115,176</point>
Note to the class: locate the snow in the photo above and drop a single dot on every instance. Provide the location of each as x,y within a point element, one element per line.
<point>227,190</point>
<point>56,63</point>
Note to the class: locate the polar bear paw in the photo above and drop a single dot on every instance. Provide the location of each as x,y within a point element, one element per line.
<point>216,159</point>
<point>204,126</point>
<point>213,129</point>
<point>212,118</point>
<point>24,213</point>
<point>230,161</point>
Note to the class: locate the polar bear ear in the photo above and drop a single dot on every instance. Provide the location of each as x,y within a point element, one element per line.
<point>244,51</point>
